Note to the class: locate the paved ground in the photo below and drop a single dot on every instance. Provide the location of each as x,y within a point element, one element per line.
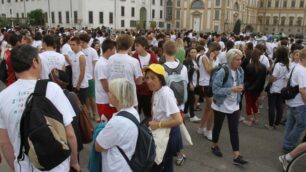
<point>258,145</point>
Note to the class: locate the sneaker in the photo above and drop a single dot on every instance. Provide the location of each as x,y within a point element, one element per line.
<point>187,115</point>
<point>283,161</point>
<point>201,131</point>
<point>216,151</point>
<point>239,161</point>
<point>195,119</point>
<point>241,118</point>
<point>180,160</point>
<point>209,135</point>
<point>267,126</point>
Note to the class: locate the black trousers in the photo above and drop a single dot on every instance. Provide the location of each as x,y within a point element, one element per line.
<point>275,103</point>
<point>144,104</point>
<point>233,123</point>
<point>190,103</point>
<point>82,94</point>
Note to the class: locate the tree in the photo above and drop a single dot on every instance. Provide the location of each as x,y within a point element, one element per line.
<point>36,17</point>
<point>140,25</point>
<point>4,22</point>
<point>237,27</point>
<point>153,24</point>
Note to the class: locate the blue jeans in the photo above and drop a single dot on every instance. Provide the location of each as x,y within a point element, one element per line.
<point>295,126</point>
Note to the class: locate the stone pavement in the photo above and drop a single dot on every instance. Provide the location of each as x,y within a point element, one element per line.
<point>257,144</point>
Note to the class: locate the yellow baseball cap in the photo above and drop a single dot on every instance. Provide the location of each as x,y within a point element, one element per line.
<point>156,68</point>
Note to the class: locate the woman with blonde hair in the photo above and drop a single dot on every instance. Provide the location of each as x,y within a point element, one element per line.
<point>180,51</point>
<point>119,131</point>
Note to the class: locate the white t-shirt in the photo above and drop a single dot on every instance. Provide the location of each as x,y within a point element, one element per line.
<point>101,72</point>
<point>37,44</point>
<point>298,78</point>
<point>124,66</point>
<point>49,61</point>
<point>91,56</point>
<point>75,66</point>
<point>101,39</point>
<point>12,104</point>
<point>65,50</point>
<point>204,75</point>
<point>195,73</point>
<point>222,45</point>
<point>121,132</point>
<point>184,73</point>
<point>221,58</point>
<point>164,104</point>
<point>280,72</point>
<point>230,103</point>
<point>144,60</point>
<point>265,61</point>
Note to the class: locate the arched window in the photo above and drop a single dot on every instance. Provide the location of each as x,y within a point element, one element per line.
<point>197,4</point>
<point>236,6</point>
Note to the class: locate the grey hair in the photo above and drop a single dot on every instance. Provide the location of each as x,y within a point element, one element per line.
<point>124,91</point>
<point>231,54</point>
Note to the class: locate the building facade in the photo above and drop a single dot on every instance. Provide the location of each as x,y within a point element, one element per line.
<point>267,16</point>
<point>118,14</point>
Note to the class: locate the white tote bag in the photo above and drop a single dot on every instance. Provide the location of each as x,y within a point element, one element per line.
<point>161,138</point>
<point>185,136</point>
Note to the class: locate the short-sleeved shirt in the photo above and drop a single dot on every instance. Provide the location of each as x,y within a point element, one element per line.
<point>164,104</point>
<point>91,56</point>
<point>12,104</point>
<point>298,78</point>
<point>49,61</point>
<point>121,132</point>
<point>101,72</point>
<point>280,72</point>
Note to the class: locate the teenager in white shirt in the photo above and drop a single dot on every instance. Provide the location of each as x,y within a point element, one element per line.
<point>50,59</point>
<point>101,77</point>
<point>91,56</point>
<point>78,65</point>
<point>119,131</point>
<point>121,65</point>
<point>27,66</point>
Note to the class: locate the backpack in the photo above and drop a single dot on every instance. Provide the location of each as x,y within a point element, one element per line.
<point>3,71</point>
<point>42,131</point>
<point>145,153</point>
<point>177,83</point>
<point>213,75</point>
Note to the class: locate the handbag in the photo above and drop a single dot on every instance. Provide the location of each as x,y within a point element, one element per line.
<point>289,92</point>
<point>161,139</point>
<point>186,138</point>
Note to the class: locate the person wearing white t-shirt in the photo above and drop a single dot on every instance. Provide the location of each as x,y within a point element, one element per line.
<point>50,59</point>
<point>78,66</point>
<point>121,65</point>
<point>119,131</point>
<point>91,56</point>
<point>12,105</point>
<point>101,77</point>
<point>296,118</point>
<point>206,65</point>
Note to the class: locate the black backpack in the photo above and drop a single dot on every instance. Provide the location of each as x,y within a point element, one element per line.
<point>42,132</point>
<point>213,74</point>
<point>3,71</point>
<point>144,156</point>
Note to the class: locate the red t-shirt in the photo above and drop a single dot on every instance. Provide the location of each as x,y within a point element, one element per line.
<point>11,78</point>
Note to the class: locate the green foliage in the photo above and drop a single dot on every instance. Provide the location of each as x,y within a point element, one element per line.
<point>140,25</point>
<point>36,17</point>
<point>4,22</point>
<point>153,24</point>
<point>237,27</point>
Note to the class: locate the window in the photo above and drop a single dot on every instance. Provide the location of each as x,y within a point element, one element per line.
<point>153,14</point>
<point>161,14</point>
<point>299,21</point>
<point>161,2</point>
<point>67,17</point>
<point>197,4</point>
<point>283,20</point>
<point>90,17</point>
<point>291,21</point>
<point>178,3</point>
<point>17,15</point>
<point>259,20</point>
<point>8,1</point>
<point>276,4</point>
<point>133,12</point>
<point>161,24</point>
<point>269,4</point>
<point>267,20</point>
<point>133,23</point>
<point>153,3</point>
<point>285,4</point>
<point>22,15</point>
<point>122,11</point>
<point>75,16</point>
<point>217,13</point>
<point>101,17</point>
<point>261,4</point>
<point>292,3</point>
<point>275,20</point>
<point>218,3</point>
<point>178,14</point>
<point>301,4</point>
<point>122,23</point>
<point>52,17</point>
<point>59,17</point>
<point>110,18</point>
<point>2,1</point>
<point>177,24</point>
<point>169,13</point>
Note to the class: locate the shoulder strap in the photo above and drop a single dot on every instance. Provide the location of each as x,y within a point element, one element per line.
<point>168,70</point>
<point>226,73</point>
<point>289,80</point>
<point>178,69</point>
<point>41,87</point>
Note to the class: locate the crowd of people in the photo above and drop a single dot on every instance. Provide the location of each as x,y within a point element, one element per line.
<point>158,77</point>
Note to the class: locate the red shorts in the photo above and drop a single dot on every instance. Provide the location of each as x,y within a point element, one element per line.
<point>106,110</point>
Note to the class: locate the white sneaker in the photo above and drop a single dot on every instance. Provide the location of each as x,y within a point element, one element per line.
<point>195,119</point>
<point>241,118</point>
<point>209,135</point>
<point>187,115</point>
<point>201,131</point>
